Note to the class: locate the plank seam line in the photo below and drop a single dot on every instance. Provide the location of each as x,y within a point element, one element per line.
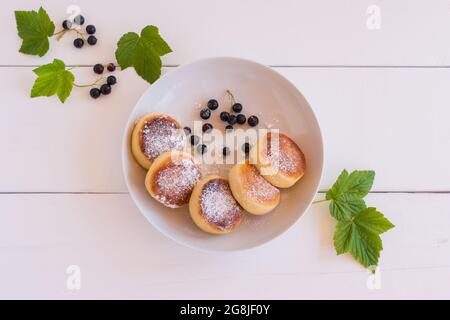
<point>330,66</point>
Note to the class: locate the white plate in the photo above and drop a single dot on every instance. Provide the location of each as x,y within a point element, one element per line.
<point>262,92</point>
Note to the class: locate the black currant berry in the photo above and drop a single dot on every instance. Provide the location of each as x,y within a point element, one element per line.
<point>229,128</point>
<point>237,107</point>
<point>194,140</point>
<point>98,68</point>
<point>78,43</point>
<point>205,114</point>
<point>232,119</point>
<point>226,151</point>
<point>213,104</point>
<point>207,127</point>
<point>187,130</point>
<point>246,147</point>
<point>90,29</point>
<point>202,148</point>
<point>111,67</point>
<point>67,24</point>
<point>92,40</point>
<point>79,19</point>
<point>241,119</point>
<point>95,93</point>
<point>224,116</point>
<point>105,89</point>
<point>253,121</point>
<point>111,80</point>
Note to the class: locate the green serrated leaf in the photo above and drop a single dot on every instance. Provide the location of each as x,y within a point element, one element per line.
<point>34,28</point>
<point>53,78</point>
<point>142,52</point>
<point>358,183</point>
<point>345,206</point>
<point>360,236</point>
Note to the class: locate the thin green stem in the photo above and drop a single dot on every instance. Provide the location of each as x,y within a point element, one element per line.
<point>320,201</point>
<point>89,84</point>
<point>230,94</point>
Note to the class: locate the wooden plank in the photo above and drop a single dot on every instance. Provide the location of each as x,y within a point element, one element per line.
<point>122,256</point>
<point>390,120</point>
<point>273,32</point>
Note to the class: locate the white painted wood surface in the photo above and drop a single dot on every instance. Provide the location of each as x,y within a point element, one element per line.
<point>62,196</point>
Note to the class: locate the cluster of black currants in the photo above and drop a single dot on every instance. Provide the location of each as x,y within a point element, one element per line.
<point>111,80</point>
<point>90,31</point>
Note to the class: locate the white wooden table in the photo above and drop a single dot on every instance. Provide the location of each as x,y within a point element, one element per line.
<point>382,97</point>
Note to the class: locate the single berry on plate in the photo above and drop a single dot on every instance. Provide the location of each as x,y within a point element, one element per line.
<point>237,107</point>
<point>226,151</point>
<point>95,93</point>
<point>202,148</point>
<point>246,147</point>
<point>194,140</point>
<point>213,104</point>
<point>98,68</point>
<point>90,29</point>
<point>232,119</point>
<point>78,43</point>
<point>67,24</point>
<point>253,121</point>
<point>111,67</point>
<point>79,19</point>
<point>105,88</point>
<point>240,118</point>
<point>207,127</point>
<point>92,40</point>
<point>224,116</point>
<point>111,80</point>
<point>187,130</point>
<point>205,114</point>
<point>229,127</point>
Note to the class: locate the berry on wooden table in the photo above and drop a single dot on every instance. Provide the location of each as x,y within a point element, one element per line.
<point>78,43</point>
<point>92,40</point>
<point>111,67</point>
<point>79,19</point>
<point>90,29</point>
<point>111,80</point>
<point>67,24</point>
<point>98,68</point>
<point>95,93</point>
<point>105,89</point>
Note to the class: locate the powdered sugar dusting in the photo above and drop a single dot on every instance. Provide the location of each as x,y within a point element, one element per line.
<point>174,183</point>
<point>218,204</point>
<point>258,188</point>
<point>161,135</point>
<point>286,156</point>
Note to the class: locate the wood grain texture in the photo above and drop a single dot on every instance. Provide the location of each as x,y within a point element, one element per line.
<point>286,32</point>
<point>390,120</point>
<point>122,256</point>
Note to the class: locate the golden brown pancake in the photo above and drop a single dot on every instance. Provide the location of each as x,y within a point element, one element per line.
<point>279,159</point>
<point>154,134</point>
<point>171,178</point>
<point>251,190</point>
<point>213,207</point>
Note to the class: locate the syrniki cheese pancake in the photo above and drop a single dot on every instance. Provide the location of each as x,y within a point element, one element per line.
<point>213,207</point>
<point>153,134</point>
<point>279,159</point>
<point>251,190</point>
<point>172,177</point>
